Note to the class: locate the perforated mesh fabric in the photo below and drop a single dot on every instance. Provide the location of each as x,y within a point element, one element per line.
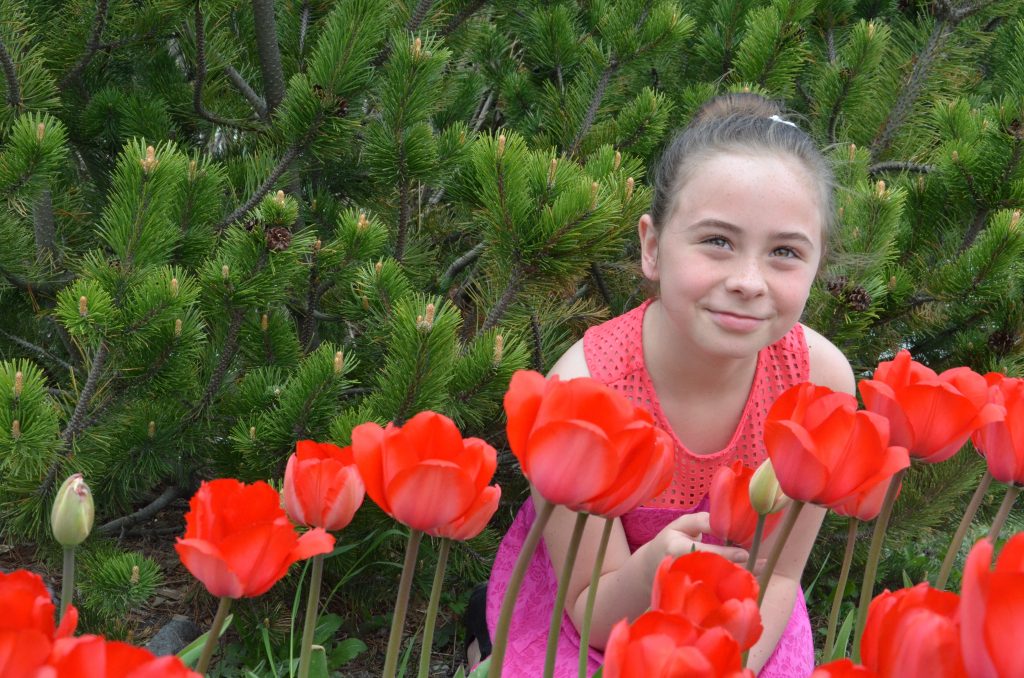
<point>614,355</point>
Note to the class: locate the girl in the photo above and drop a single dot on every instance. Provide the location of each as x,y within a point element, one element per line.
<point>741,211</point>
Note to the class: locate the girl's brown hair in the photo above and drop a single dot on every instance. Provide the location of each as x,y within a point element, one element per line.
<point>746,124</point>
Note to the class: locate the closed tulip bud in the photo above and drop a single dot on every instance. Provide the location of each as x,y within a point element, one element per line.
<point>766,495</point>
<point>73,512</point>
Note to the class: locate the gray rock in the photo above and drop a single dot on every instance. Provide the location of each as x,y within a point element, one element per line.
<point>173,636</point>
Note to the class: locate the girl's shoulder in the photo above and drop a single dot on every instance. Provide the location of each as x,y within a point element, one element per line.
<point>572,364</point>
<point>828,366</point>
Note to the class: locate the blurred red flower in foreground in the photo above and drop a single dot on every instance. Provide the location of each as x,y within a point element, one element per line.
<point>238,540</point>
<point>992,610</point>
<point>709,591</point>
<point>825,451</point>
<point>663,645</point>
<point>843,668</point>
<point>927,413</point>
<point>97,657</point>
<point>584,446</point>
<point>322,486</point>
<point>913,633</point>
<point>424,474</point>
<point>733,518</point>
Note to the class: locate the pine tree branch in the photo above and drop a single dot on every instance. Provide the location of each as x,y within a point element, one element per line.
<point>269,52</point>
<point>461,263</point>
<point>900,166</point>
<point>595,103</point>
<point>145,513</point>
<point>418,15</point>
<point>227,354</point>
<point>303,31</point>
<point>11,76</point>
<point>595,272</point>
<point>98,24</point>
<point>981,216</point>
<point>511,289</point>
<point>308,329</point>
<point>404,209</point>
<point>478,120</point>
<point>254,99</point>
<point>287,159</point>
<point>456,21</point>
<point>44,227</point>
<point>538,355</point>
<point>200,77</point>
<point>912,89</point>
<point>38,350</point>
<point>124,42</point>
<point>47,287</point>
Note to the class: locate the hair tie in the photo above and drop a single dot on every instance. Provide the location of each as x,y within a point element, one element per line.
<point>776,118</point>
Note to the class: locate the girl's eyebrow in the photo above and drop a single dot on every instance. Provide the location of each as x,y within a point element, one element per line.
<point>736,230</point>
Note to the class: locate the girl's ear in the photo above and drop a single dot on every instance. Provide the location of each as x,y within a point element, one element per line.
<point>648,247</point>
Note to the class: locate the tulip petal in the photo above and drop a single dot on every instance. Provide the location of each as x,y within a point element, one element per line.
<point>881,399</point>
<point>473,521</point>
<point>1004,622</point>
<point>368,452</point>
<point>522,402</point>
<point>207,565</point>
<point>570,462</point>
<point>430,494</point>
<point>802,476</point>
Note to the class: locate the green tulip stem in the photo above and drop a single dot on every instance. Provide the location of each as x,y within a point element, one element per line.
<point>508,603</point>
<point>595,577</point>
<point>961,531</point>
<point>435,599</point>
<point>67,581</point>
<point>213,636</point>
<point>755,546</point>
<point>306,652</point>
<point>837,598</point>
<point>401,604</point>
<point>780,541</point>
<point>867,589</point>
<point>555,629</point>
<point>1004,510</point>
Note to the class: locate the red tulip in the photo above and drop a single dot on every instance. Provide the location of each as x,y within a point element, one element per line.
<point>866,505</point>
<point>844,668</point>
<point>475,519</point>
<point>425,475</point>
<point>824,450</point>
<point>913,632</point>
<point>584,446</point>
<point>733,518</point>
<point>1002,441</point>
<point>710,592</point>
<point>97,657</point>
<point>238,540</point>
<point>25,604</point>
<point>322,486</point>
<point>992,610</point>
<point>663,645</point>
<point>927,413</point>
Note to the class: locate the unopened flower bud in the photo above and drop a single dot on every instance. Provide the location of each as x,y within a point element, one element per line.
<point>177,327</point>
<point>83,306</point>
<point>225,272</point>
<point>920,183</point>
<point>363,223</point>
<point>871,30</point>
<point>377,267</point>
<point>152,429</point>
<point>630,183</point>
<point>366,303</point>
<point>1014,224</point>
<point>252,433</point>
<point>317,245</point>
<point>134,579</point>
<point>892,283</point>
<point>15,429</point>
<point>73,512</point>
<point>149,162</point>
<point>551,171</point>
<point>191,170</point>
<point>880,188</point>
<point>618,161</point>
<point>955,157</point>
<point>40,132</point>
<point>766,495</point>
<point>19,383</point>
<point>853,152</point>
<point>426,322</point>
<point>174,287</point>
<point>264,322</point>
<point>279,198</point>
<point>501,145</point>
<point>417,47</point>
<point>593,195</point>
<point>339,362</point>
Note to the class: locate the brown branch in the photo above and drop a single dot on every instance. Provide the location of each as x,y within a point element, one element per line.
<point>98,24</point>
<point>595,103</point>
<point>269,52</point>
<point>11,76</point>
<point>538,355</point>
<point>496,313</point>
<point>145,513</point>
<point>254,99</point>
<point>900,166</point>
<point>419,14</point>
<point>47,287</point>
<point>200,77</point>
<point>461,263</point>
<point>227,354</point>
<point>44,227</point>
<point>595,272</point>
<point>456,21</point>
<point>38,350</point>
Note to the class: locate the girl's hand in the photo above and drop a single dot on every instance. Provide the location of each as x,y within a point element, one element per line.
<point>684,535</point>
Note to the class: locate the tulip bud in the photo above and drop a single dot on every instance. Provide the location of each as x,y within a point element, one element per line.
<point>73,512</point>
<point>766,495</point>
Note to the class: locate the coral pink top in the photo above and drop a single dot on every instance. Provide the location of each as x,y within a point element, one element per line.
<point>615,356</point>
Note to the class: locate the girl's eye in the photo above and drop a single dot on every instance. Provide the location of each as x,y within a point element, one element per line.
<point>716,241</point>
<point>786,252</point>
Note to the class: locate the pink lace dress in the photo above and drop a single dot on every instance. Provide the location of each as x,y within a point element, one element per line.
<point>614,356</point>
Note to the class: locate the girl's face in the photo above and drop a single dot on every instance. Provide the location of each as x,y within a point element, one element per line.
<point>736,258</point>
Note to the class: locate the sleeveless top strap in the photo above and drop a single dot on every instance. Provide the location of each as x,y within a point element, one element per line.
<point>614,354</point>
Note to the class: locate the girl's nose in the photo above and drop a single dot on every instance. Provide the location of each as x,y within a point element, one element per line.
<point>746,279</point>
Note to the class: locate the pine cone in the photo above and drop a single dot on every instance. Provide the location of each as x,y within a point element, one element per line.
<point>278,238</point>
<point>1016,129</point>
<point>858,299</point>
<point>1001,342</point>
<point>836,285</point>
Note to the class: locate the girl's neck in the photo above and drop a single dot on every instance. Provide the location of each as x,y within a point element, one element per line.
<point>681,368</point>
